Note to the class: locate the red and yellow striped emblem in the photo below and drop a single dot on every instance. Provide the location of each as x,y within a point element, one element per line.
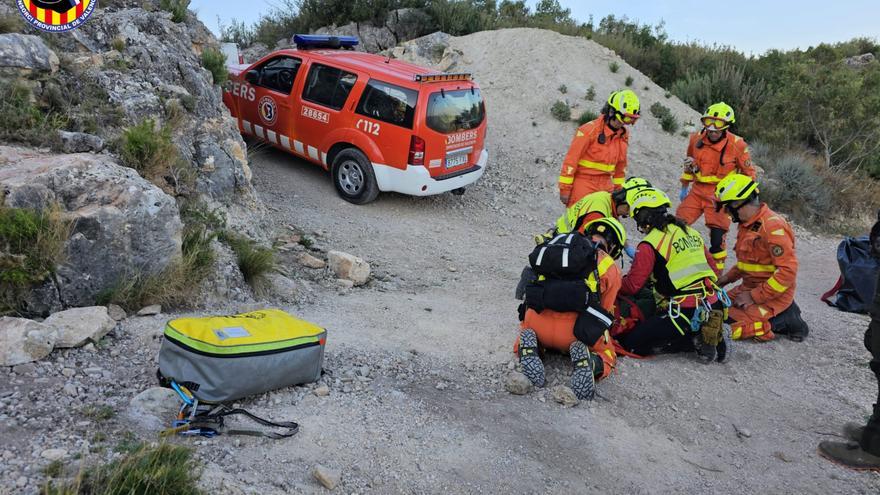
<point>50,20</point>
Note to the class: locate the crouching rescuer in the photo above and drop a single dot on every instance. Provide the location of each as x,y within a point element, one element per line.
<point>675,257</point>
<point>569,305</point>
<point>763,304</point>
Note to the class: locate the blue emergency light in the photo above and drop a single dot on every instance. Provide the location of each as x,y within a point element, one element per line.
<point>306,41</point>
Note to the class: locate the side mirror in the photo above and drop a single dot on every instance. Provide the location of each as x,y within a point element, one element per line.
<point>252,76</point>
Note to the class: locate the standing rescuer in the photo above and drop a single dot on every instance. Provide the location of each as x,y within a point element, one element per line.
<point>862,451</point>
<point>766,263</point>
<point>712,154</point>
<point>596,158</point>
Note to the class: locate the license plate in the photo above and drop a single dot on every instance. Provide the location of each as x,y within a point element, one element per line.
<point>456,160</point>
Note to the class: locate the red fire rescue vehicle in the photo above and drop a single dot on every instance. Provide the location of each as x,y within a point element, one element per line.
<point>376,124</point>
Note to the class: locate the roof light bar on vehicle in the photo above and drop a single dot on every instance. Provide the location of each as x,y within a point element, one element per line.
<point>306,41</point>
<point>442,77</point>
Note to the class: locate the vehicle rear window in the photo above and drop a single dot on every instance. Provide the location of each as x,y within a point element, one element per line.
<point>453,111</point>
<point>328,86</point>
<point>388,103</point>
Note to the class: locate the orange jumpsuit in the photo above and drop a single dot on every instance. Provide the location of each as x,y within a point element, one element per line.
<point>767,264</point>
<point>555,330</point>
<point>712,162</point>
<point>594,163</point>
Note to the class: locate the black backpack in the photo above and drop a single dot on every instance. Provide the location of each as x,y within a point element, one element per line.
<point>565,256</point>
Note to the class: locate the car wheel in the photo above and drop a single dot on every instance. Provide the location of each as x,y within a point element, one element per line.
<point>353,177</point>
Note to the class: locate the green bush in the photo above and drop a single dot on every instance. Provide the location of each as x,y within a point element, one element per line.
<point>254,261</point>
<point>667,120</point>
<point>591,93</point>
<point>176,7</point>
<point>215,62</point>
<point>118,43</point>
<point>629,81</point>
<point>587,116</point>
<point>560,111</point>
<point>563,88</point>
<point>162,470</point>
<point>151,152</point>
<point>31,247</point>
<point>614,67</point>
<point>26,121</point>
<point>793,185</point>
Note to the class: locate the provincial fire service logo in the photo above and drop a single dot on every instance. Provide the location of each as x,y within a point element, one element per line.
<point>56,16</point>
<point>268,110</point>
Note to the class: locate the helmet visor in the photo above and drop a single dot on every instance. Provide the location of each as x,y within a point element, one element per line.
<point>715,122</point>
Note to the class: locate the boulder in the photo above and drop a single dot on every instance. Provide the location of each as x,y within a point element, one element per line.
<point>426,50</point>
<point>373,39</point>
<point>151,310</point>
<point>860,60</point>
<point>349,267</point>
<point>309,261</point>
<point>564,395</point>
<point>282,288</point>
<point>80,142</point>
<point>23,341</point>
<point>327,477</point>
<point>517,383</point>
<point>116,312</point>
<point>26,55</point>
<point>153,409</point>
<point>407,24</point>
<point>254,52</point>
<point>78,326</point>
<point>122,224</point>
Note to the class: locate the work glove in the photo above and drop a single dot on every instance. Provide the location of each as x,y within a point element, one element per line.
<point>683,194</point>
<point>630,251</point>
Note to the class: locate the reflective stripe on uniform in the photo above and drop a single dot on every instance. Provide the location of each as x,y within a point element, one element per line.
<point>687,176</point>
<point>708,179</point>
<point>618,181</point>
<point>599,202</point>
<point>776,285</point>
<point>604,167</point>
<point>566,180</point>
<point>720,255</point>
<point>751,267</point>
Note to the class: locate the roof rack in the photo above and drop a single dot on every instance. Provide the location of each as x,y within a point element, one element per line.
<point>313,41</point>
<point>442,77</point>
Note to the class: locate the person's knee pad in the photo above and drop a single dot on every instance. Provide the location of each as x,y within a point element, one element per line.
<point>716,239</point>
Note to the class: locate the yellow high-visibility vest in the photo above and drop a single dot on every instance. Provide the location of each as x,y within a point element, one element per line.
<point>684,253</point>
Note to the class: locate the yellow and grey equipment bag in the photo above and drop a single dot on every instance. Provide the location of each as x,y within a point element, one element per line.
<point>223,358</point>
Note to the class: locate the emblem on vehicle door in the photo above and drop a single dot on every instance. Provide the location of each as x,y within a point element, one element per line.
<point>268,110</point>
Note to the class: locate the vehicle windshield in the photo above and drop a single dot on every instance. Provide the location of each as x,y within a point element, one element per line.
<point>454,111</point>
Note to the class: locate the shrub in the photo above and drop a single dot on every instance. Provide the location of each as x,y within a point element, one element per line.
<point>667,121</point>
<point>31,247</point>
<point>629,81</point>
<point>176,7</point>
<point>793,185</point>
<point>560,111</point>
<point>215,62</point>
<point>563,89</point>
<point>151,152</point>
<point>163,469</point>
<point>118,43</point>
<point>667,95</point>
<point>591,93</point>
<point>23,121</point>
<point>614,67</point>
<point>587,116</point>
<point>254,261</point>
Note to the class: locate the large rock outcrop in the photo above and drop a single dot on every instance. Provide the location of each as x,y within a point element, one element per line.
<point>122,224</point>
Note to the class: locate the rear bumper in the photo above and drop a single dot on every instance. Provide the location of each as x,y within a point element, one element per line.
<point>416,181</point>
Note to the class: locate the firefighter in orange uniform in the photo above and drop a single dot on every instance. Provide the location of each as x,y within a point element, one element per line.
<point>712,154</point>
<point>763,304</point>
<point>596,158</point>
<point>555,330</point>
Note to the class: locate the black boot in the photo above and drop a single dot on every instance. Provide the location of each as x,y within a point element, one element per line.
<point>790,323</point>
<point>850,455</point>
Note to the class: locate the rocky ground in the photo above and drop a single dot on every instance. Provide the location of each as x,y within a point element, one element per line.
<point>418,357</point>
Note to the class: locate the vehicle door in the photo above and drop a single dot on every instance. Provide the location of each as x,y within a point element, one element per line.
<point>385,113</point>
<point>271,111</point>
<point>325,95</point>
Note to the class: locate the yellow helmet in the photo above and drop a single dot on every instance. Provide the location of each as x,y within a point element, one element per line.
<point>626,106</point>
<point>719,116</point>
<point>648,198</point>
<point>735,187</point>
<point>613,232</point>
<point>628,189</point>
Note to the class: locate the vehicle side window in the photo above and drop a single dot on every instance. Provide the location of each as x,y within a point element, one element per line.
<point>328,86</point>
<point>279,73</point>
<point>388,103</point>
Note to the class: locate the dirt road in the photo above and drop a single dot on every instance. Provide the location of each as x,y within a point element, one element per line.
<point>437,417</point>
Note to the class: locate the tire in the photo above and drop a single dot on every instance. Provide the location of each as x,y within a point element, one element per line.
<point>353,177</point>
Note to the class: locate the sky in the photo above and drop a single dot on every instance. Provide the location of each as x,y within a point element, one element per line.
<point>752,26</point>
